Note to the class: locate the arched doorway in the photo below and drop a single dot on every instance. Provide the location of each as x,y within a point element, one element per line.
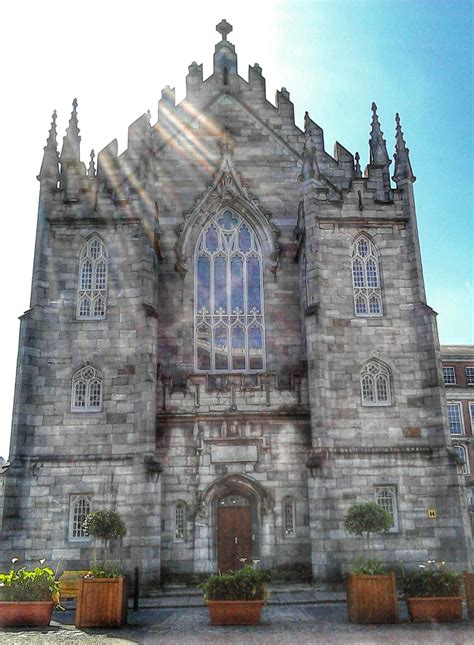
<point>234,532</point>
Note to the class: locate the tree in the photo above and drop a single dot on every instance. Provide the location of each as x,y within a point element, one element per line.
<point>106,526</point>
<point>366,518</point>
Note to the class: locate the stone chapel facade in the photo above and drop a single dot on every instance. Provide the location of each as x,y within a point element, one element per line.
<point>229,343</point>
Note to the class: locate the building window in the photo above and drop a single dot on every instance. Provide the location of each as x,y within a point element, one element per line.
<point>386,498</point>
<point>289,517</point>
<point>86,390</point>
<point>375,384</point>
<point>366,278</point>
<point>471,413</point>
<point>229,325</point>
<point>455,418</point>
<point>449,376</point>
<point>79,507</point>
<point>470,375</point>
<point>180,521</point>
<point>463,454</point>
<point>92,290</point>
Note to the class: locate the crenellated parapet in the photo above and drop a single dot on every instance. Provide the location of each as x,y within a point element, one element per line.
<point>234,394</point>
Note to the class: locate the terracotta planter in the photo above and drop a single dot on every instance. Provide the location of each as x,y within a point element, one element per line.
<point>235,612</point>
<point>447,609</point>
<point>372,599</point>
<point>469,589</point>
<point>101,602</point>
<point>32,614</point>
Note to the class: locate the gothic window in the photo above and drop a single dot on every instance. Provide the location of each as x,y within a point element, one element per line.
<point>455,420</point>
<point>229,323</point>
<point>375,384</point>
<point>366,278</point>
<point>92,291</point>
<point>86,390</point>
<point>449,376</point>
<point>180,521</point>
<point>386,498</point>
<point>462,453</point>
<point>289,516</point>
<point>79,507</point>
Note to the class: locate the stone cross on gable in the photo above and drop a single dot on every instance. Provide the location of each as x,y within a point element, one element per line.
<point>224,28</point>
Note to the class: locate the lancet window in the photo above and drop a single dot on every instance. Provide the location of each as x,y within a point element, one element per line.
<point>229,321</point>
<point>366,278</point>
<point>375,384</point>
<point>79,508</point>
<point>92,289</point>
<point>180,520</point>
<point>86,390</point>
<point>386,498</point>
<point>289,517</point>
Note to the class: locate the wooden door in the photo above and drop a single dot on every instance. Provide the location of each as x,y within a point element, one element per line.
<point>234,533</point>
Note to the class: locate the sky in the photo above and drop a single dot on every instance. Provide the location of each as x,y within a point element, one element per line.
<point>335,57</point>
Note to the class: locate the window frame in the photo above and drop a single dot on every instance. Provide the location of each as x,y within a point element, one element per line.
<point>453,372</point>
<point>364,292</point>
<point>466,466</point>
<point>75,499</point>
<point>97,377</point>
<point>92,293</point>
<point>288,499</point>
<point>394,496</point>
<point>365,375</point>
<point>469,382</point>
<point>180,504</point>
<point>458,405</point>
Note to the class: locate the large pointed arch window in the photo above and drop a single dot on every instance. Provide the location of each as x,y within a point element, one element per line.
<point>366,278</point>
<point>229,324</point>
<point>92,289</point>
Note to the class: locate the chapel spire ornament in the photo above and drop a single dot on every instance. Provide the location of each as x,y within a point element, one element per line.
<point>49,166</point>
<point>378,145</point>
<point>224,28</point>
<point>403,168</point>
<point>72,140</point>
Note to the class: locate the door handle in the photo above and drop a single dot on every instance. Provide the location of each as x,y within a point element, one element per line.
<point>236,541</point>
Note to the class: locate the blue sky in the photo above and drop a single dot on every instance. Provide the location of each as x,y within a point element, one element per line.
<point>334,57</point>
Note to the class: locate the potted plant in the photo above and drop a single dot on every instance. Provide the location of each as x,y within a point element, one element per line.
<point>371,591</point>
<point>469,589</point>
<point>432,594</point>
<point>27,596</point>
<point>102,594</point>
<point>236,598</point>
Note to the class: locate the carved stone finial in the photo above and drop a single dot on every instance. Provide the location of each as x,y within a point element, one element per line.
<point>378,146</point>
<point>72,140</point>
<point>357,170</point>
<point>224,28</point>
<point>403,168</point>
<point>91,169</point>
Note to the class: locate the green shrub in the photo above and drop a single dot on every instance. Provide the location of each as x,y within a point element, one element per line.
<point>430,580</point>
<point>368,566</point>
<point>104,570</point>
<point>105,525</point>
<point>246,584</point>
<point>366,518</point>
<point>29,585</point>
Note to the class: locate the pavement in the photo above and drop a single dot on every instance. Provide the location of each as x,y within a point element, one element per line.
<point>281,624</point>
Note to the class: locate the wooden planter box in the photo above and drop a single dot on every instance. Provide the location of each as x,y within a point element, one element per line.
<point>235,612</point>
<point>101,602</point>
<point>469,589</point>
<point>31,614</point>
<point>447,609</point>
<point>372,599</point>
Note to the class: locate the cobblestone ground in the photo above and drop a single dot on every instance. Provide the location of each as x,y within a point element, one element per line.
<point>293,625</point>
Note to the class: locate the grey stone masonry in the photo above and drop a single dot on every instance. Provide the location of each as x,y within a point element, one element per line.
<point>329,399</point>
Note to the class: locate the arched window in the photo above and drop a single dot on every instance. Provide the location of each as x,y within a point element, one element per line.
<point>228,322</point>
<point>386,498</point>
<point>366,278</point>
<point>180,520</point>
<point>92,290</point>
<point>86,390</point>
<point>463,455</point>
<point>289,517</point>
<point>79,507</point>
<point>375,384</point>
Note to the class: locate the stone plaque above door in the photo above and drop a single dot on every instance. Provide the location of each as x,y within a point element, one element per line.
<point>232,453</point>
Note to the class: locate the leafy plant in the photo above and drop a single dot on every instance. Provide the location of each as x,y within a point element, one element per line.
<point>105,526</point>
<point>104,570</point>
<point>368,566</point>
<point>430,580</point>
<point>367,518</point>
<point>29,585</point>
<point>248,583</point>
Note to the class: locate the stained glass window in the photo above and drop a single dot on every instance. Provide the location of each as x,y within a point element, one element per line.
<point>86,390</point>
<point>366,278</point>
<point>92,291</point>
<point>375,384</point>
<point>229,322</point>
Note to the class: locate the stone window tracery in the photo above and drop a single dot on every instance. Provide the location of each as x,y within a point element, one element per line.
<point>375,385</point>
<point>289,517</point>
<point>386,498</point>
<point>92,289</point>
<point>229,320</point>
<point>86,390</point>
<point>366,278</point>
<point>79,507</point>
